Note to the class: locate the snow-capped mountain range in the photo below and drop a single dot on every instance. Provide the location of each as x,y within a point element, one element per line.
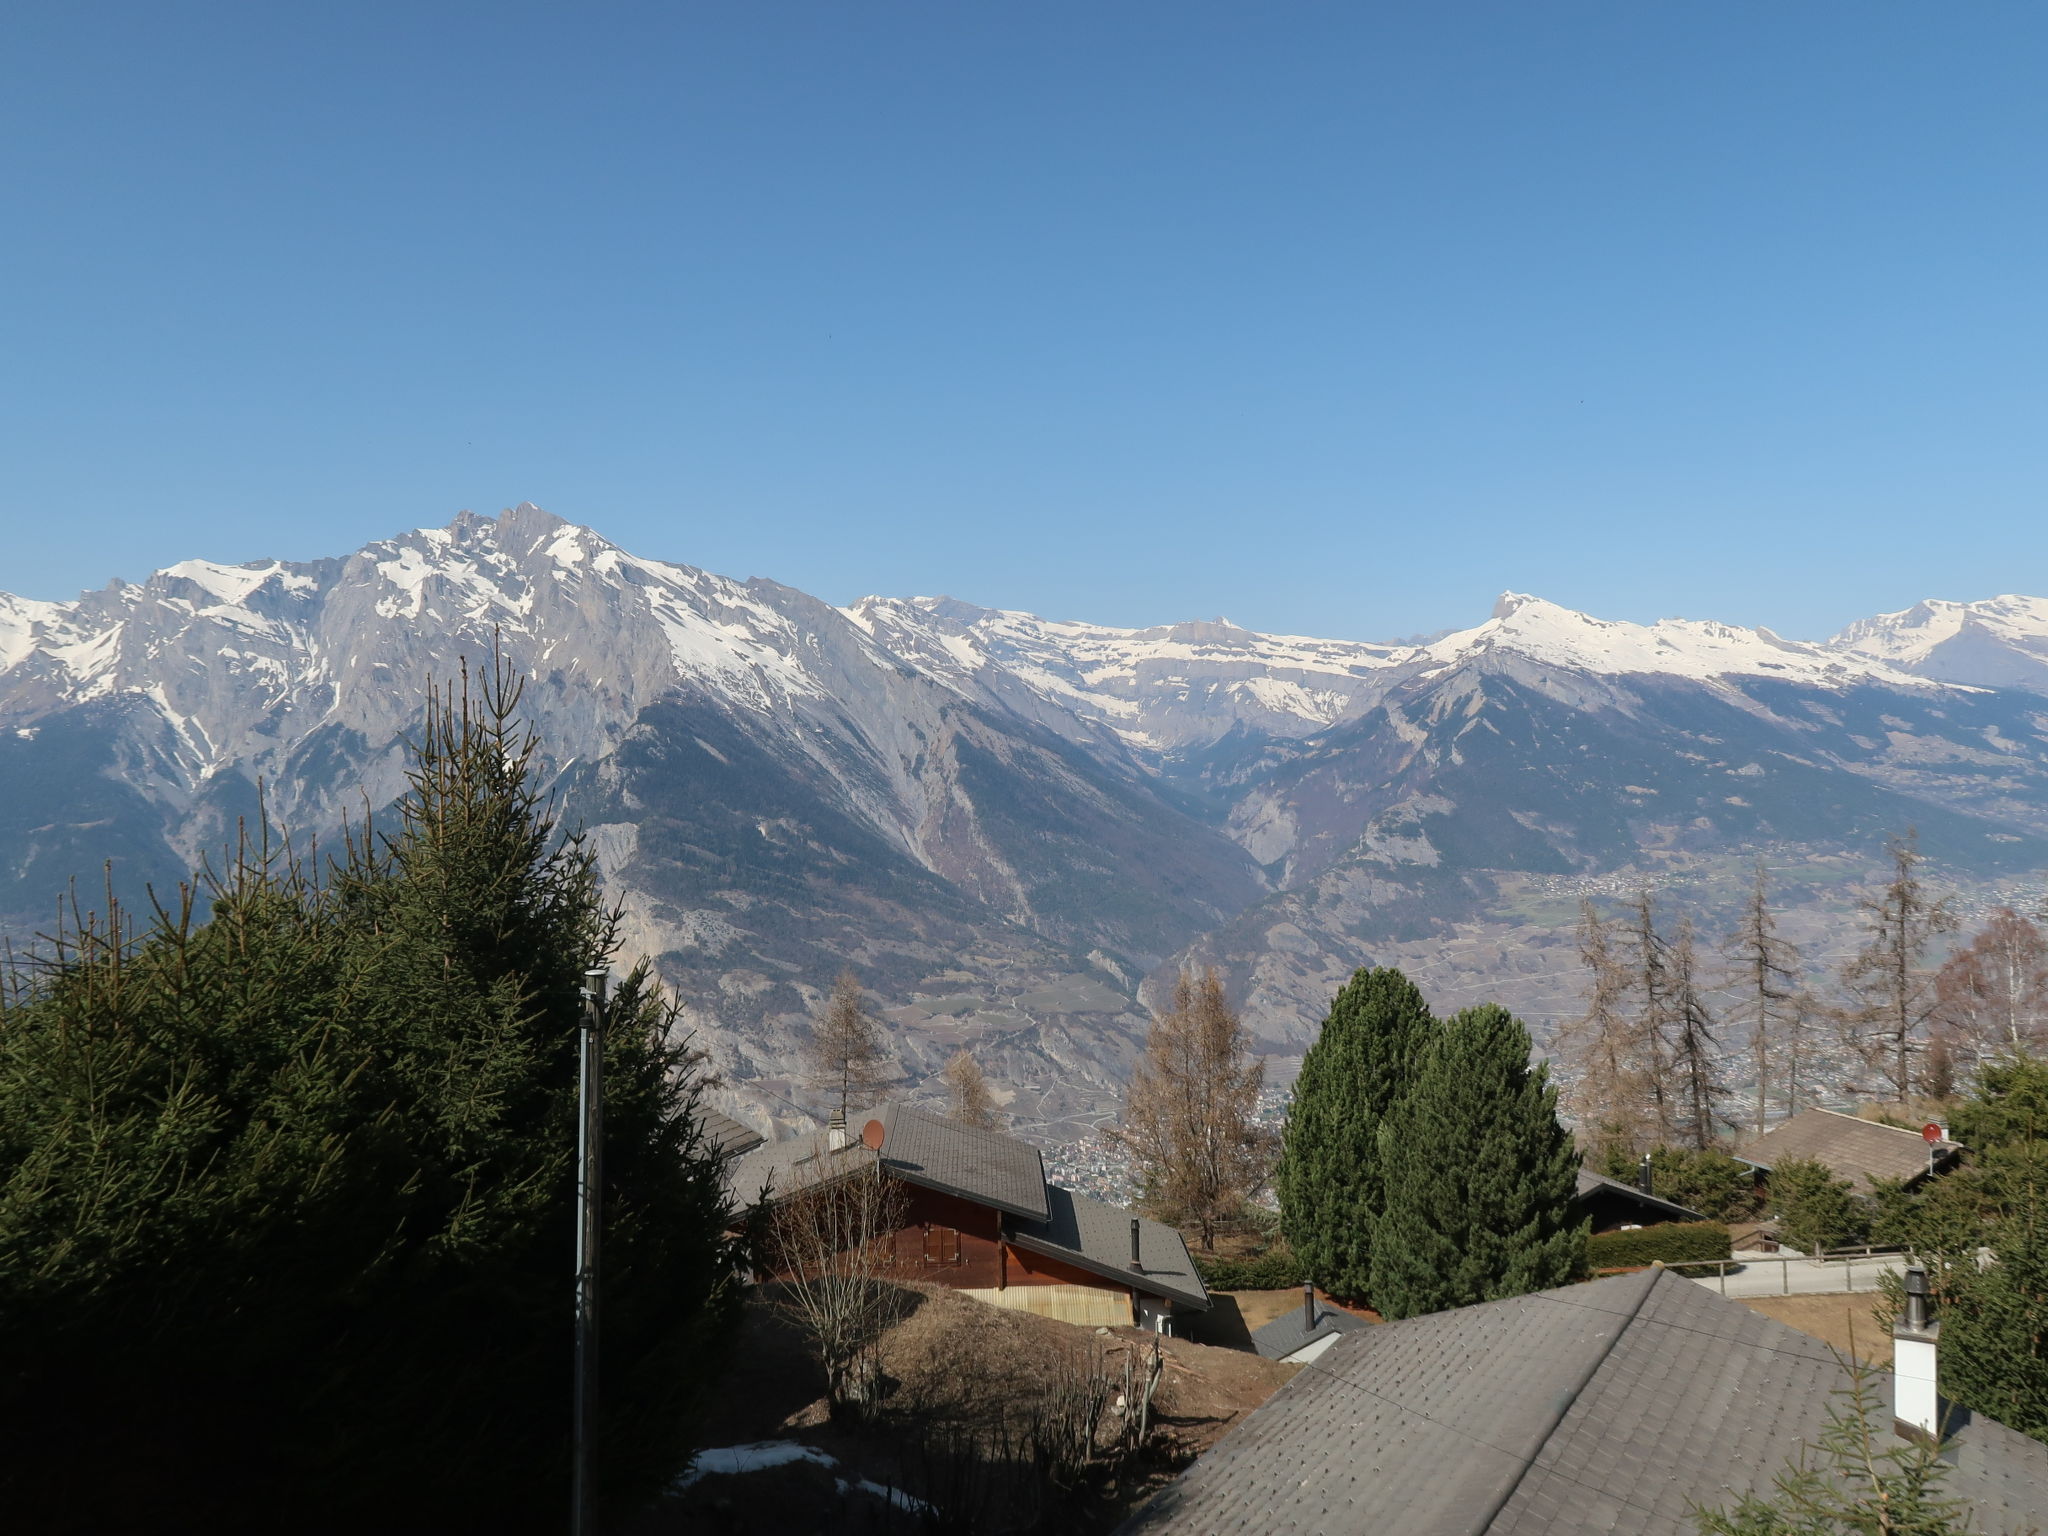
<point>1007,822</point>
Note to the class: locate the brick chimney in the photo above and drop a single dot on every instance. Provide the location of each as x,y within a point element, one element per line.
<point>1916,1405</point>
<point>1308,1306</point>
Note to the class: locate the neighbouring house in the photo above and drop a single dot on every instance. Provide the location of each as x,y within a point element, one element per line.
<point>1617,1405</point>
<point>981,1218</point>
<point>1611,1205</point>
<point>1303,1333</point>
<point>1860,1151</point>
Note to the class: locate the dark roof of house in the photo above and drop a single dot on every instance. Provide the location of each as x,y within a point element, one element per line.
<point>957,1159</point>
<point>984,1166</point>
<point>728,1135</point>
<point>1097,1237</point>
<point>1291,1330</point>
<point>1613,1406</point>
<point>1858,1150</point>
<point>1591,1184</point>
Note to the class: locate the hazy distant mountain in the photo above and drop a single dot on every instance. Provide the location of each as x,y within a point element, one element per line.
<point>1005,822</point>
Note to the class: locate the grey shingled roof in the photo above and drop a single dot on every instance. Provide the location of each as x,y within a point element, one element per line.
<point>781,1166</point>
<point>727,1134</point>
<point>984,1166</point>
<point>1857,1150</point>
<point>1592,1183</point>
<point>1291,1330</point>
<point>957,1159</point>
<point>1097,1237</point>
<point>1602,1408</point>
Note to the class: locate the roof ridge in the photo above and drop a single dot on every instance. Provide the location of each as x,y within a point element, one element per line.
<point>1566,1400</point>
<point>1843,1114</point>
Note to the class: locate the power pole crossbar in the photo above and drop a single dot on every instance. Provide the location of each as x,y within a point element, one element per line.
<point>589,1216</point>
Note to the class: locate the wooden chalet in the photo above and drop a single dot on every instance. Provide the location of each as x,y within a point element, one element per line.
<point>981,1218</point>
<point>1611,1205</point>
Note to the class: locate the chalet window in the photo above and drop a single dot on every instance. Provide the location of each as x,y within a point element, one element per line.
<point>941,1244</point>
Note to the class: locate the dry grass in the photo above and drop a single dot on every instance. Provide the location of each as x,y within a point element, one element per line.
<point>958,1370</point>
<point>1833,1320</point>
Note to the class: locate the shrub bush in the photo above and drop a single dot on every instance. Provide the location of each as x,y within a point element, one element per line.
<point>1675,1242</point>
<point>1275,1270</point>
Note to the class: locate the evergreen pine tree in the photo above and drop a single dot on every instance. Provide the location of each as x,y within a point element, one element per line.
<point>1329,1176</point>
<point>1479,1176</point>
<point>1994,1317</point>
<point>285,1203</point>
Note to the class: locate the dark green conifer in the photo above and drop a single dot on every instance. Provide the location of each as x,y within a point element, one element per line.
<point>1329,1179</point>
<point>285,1230</point>
<point>1479,1175</point>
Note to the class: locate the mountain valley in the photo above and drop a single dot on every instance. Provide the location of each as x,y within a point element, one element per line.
<point>1012,826</point>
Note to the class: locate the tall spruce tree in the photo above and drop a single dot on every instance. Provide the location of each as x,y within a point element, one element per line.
<point>1479,1175</point>
<point>1329,1179</point>
<point>285,1191</point>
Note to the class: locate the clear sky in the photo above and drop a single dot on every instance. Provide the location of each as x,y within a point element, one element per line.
<point>1336,319</point>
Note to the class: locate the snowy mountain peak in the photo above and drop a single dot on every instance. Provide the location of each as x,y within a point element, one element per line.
<point>1700,650</point>
<point>2001,641</point>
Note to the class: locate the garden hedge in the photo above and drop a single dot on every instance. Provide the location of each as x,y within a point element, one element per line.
<point>1273,1271</point>
<point>1674,1242</point>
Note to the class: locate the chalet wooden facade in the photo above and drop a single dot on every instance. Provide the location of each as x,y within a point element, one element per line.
<point>979,1216</point>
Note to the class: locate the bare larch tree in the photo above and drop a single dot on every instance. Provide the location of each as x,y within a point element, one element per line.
<point>1695,1056</point>
<point>973,1104</point>
<point>1655,1014</point>
<point>845,1049</point>
<point>1189,1116</point>
<point>1764,976</point>
<point>1891,991</point>
<point>1608,1086</point>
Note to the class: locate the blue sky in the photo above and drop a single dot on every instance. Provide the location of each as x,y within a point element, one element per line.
<point>1337,318</point>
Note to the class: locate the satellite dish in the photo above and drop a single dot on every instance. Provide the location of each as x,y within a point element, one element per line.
<point>1930,1133</point>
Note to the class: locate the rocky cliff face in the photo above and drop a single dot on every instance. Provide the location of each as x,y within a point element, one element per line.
<point>1005,823</point>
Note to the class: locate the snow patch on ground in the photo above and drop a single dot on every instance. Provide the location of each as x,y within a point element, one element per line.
<point>765,1455</point>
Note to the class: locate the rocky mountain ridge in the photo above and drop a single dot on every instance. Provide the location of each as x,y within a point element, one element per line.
<point>1006,822</point>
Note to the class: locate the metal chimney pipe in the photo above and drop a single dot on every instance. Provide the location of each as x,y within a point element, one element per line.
<point>1644,1180</point>
<point>1916,1298</point>
<point>1137,1263</point>
<point>1916,1398</point>
<point>1308,1306</point>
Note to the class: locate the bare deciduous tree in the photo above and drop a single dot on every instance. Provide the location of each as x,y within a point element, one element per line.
<point>973,1104</point>
<point>1655,1014</point>
<point>1992,995</point>
<point>1608,1090</point>
<point>845,1049</point>
<point>1694,1053</point>
<point>1892,992</point>
<point>1189,1113</point>
<point>830,1243</point>
<point>1765,978</point>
